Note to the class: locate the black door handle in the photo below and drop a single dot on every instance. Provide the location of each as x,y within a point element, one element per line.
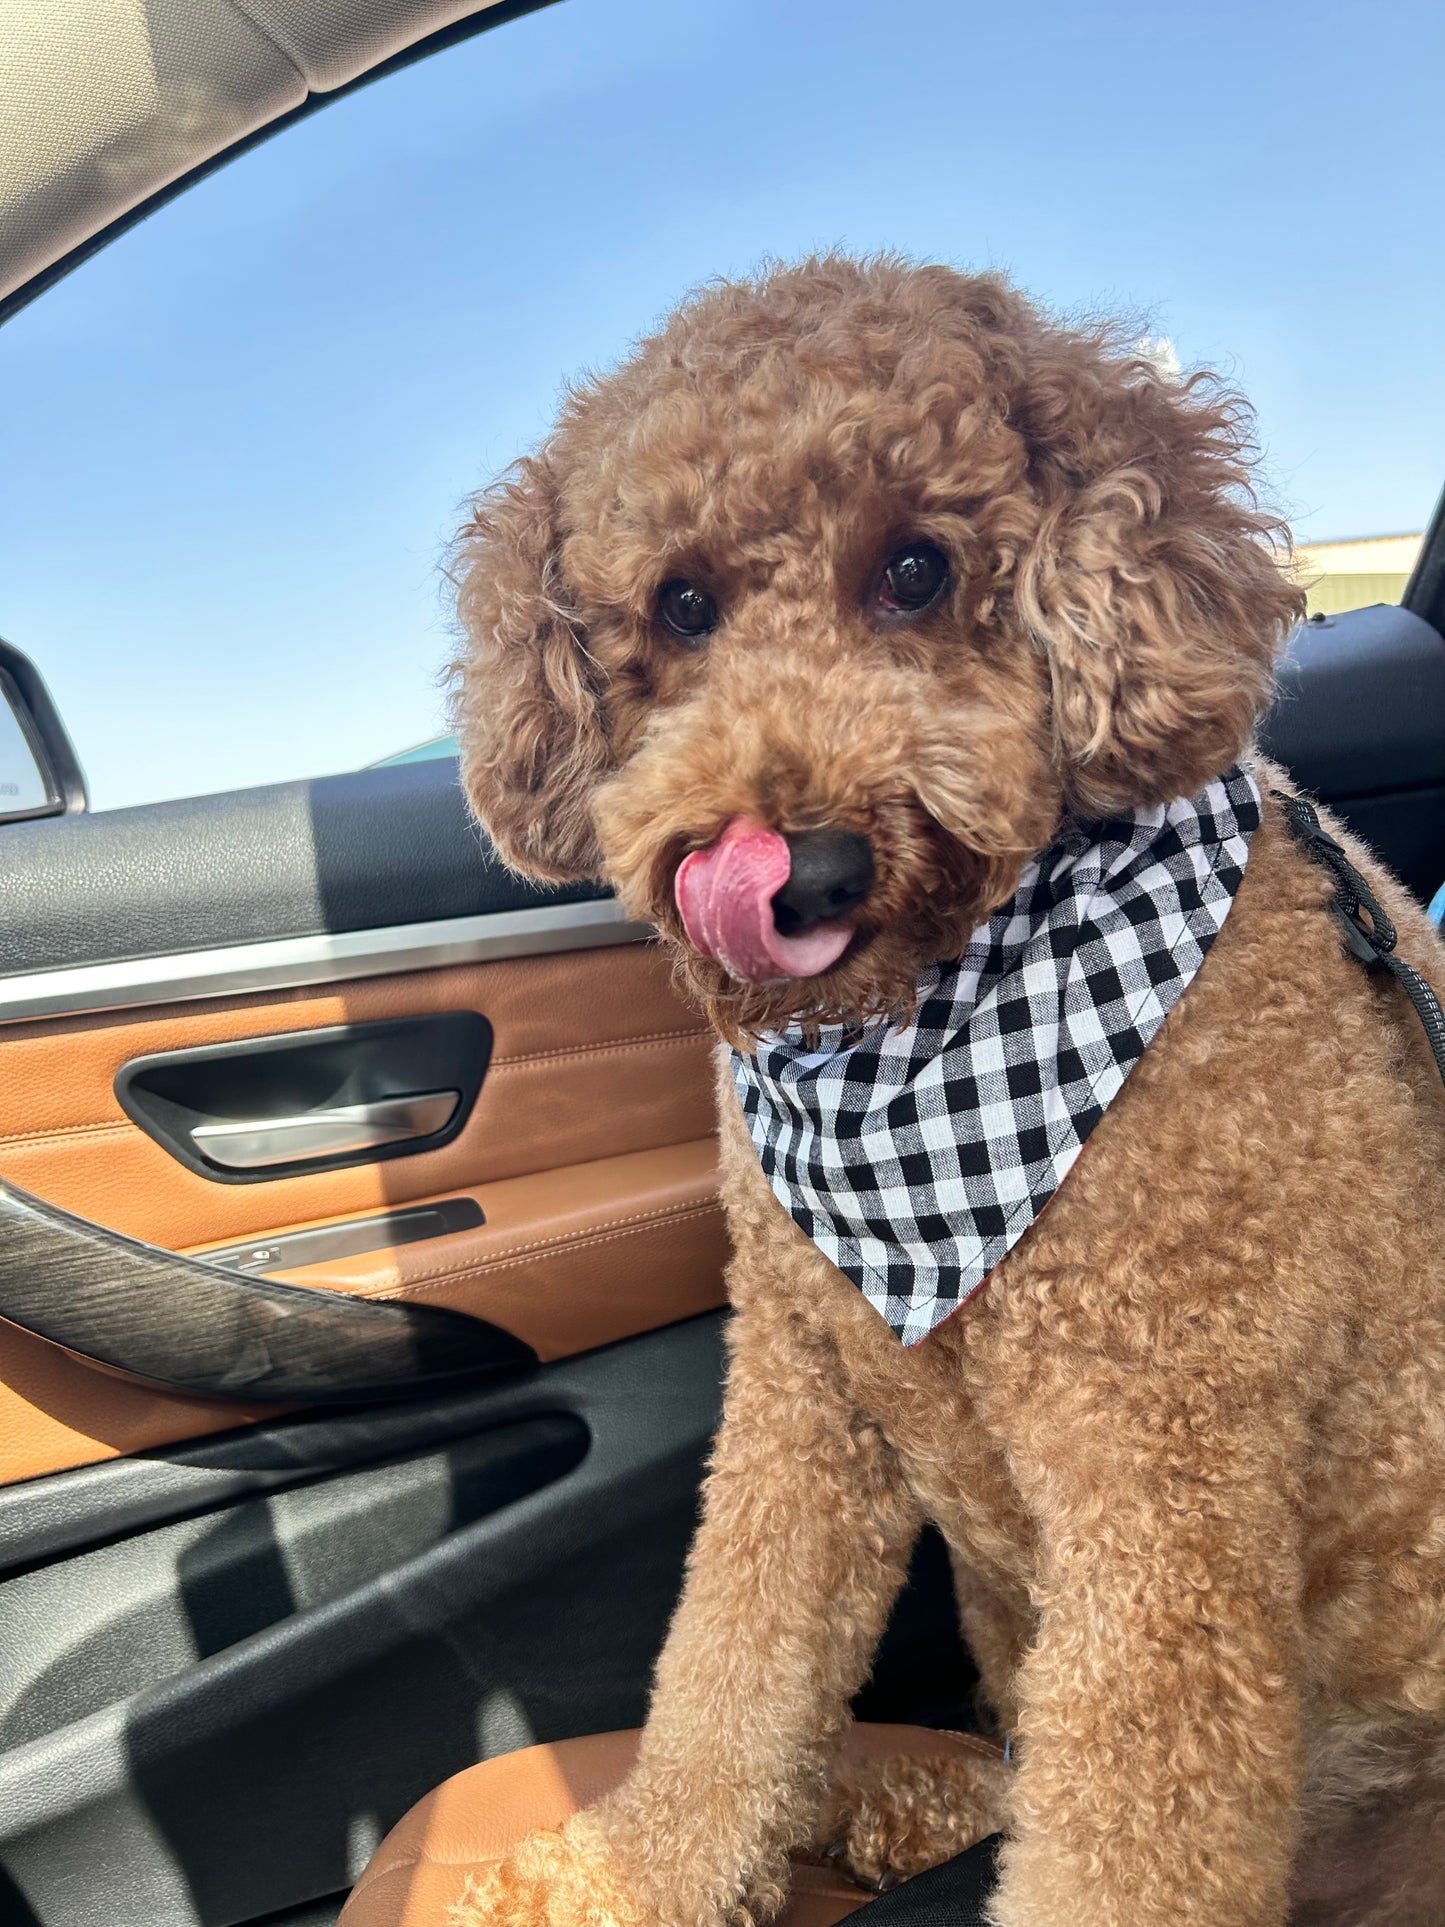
<point>192,1327</point>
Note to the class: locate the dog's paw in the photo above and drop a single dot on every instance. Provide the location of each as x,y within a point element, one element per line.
<point>887,1820</point>
<point>566,1879</point>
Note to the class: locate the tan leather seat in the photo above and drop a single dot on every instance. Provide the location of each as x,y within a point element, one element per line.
<point>473,1818</point>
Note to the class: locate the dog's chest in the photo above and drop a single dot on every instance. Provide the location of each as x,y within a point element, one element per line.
<point>935,1403</point>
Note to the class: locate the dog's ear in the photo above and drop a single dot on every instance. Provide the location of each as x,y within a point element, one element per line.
<point>1152,580</point>
<point>525,700</point>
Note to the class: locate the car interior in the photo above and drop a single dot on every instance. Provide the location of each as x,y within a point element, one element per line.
<point>362,1286</point>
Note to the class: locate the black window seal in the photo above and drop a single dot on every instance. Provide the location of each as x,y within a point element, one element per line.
<point>1424,593</point>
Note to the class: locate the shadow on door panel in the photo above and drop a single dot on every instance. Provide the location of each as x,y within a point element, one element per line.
<point>229,1708</point>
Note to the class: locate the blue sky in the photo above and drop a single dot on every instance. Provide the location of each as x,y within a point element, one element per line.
<point>233,445</point>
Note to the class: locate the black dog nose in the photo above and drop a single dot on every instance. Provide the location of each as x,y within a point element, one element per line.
<point>831,874</point>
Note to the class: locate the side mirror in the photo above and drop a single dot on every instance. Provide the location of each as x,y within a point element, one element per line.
<point>39,772</point>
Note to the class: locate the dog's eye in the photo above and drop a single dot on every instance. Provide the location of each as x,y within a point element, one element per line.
<point>688,611</point>
<point>914,577</point>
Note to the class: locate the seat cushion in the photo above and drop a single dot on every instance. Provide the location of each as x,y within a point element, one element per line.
<point>422,1865</point>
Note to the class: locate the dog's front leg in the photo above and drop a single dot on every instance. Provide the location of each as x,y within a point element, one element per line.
<point>803,1546</point>
<point>1158,1755</point>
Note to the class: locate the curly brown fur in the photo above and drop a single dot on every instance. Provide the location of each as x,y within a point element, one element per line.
<point>569,1873</point>
<point>1188,1445</point>
<point>897,1817</point>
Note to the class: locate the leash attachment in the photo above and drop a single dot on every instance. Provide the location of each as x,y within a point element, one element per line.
<point>1372,942</point>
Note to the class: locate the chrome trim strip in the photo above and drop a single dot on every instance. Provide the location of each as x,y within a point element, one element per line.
<point>293,963</point>
<point>256,1143</point>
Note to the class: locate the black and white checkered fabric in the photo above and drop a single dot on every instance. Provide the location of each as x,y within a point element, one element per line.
<point>916,1155</point>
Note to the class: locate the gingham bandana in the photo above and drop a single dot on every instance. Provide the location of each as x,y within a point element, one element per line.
<point>916,1155</point>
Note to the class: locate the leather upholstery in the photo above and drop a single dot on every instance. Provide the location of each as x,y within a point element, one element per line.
<point>422,1865</point>
<point>590,1150</point>
<point>56,1412</point>
<point>593,1055</point>
<point>567,1259</point>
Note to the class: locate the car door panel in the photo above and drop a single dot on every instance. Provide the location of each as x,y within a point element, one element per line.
<point>239,1700</point>
<point>234,1642</point>
<point>260,1649</point>
<point>592,1053</point>
<point>314,1100</point>
<point>368,850</point>
<point>56,1411</point>
<point>567,1259</point>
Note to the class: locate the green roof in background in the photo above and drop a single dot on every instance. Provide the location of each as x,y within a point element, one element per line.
<point>1333,594</point>
<point>1355,571</point>
<point>431,750</point>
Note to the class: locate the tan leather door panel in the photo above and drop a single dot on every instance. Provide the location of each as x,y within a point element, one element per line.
<point>590,1149</point>
<point>593,1055</point>
<point>567,1259</point>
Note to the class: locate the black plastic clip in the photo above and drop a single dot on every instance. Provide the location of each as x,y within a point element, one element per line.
<point>1372,943</point>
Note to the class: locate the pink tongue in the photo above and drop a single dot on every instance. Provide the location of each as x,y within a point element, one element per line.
<point>725,896</point>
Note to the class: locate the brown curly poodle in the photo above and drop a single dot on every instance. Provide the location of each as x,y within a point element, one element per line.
<point>881,551</point>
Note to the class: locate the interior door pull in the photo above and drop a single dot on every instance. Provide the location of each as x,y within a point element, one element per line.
<point>188,1325</point>
<point>250,1144</point>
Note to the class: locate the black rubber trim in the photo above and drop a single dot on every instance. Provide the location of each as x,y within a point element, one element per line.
<point>357,852</point>
<point>35,711</point>
<point>495,16</point>
<point>171,1321</point>
<point>1425,591</point>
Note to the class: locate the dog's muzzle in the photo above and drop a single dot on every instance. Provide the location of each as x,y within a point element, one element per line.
<point>771,908</point>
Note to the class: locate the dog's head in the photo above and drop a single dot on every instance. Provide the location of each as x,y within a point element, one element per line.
<point>807,626</point>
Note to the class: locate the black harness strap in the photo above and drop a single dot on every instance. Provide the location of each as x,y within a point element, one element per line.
<point>1372,942</point>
